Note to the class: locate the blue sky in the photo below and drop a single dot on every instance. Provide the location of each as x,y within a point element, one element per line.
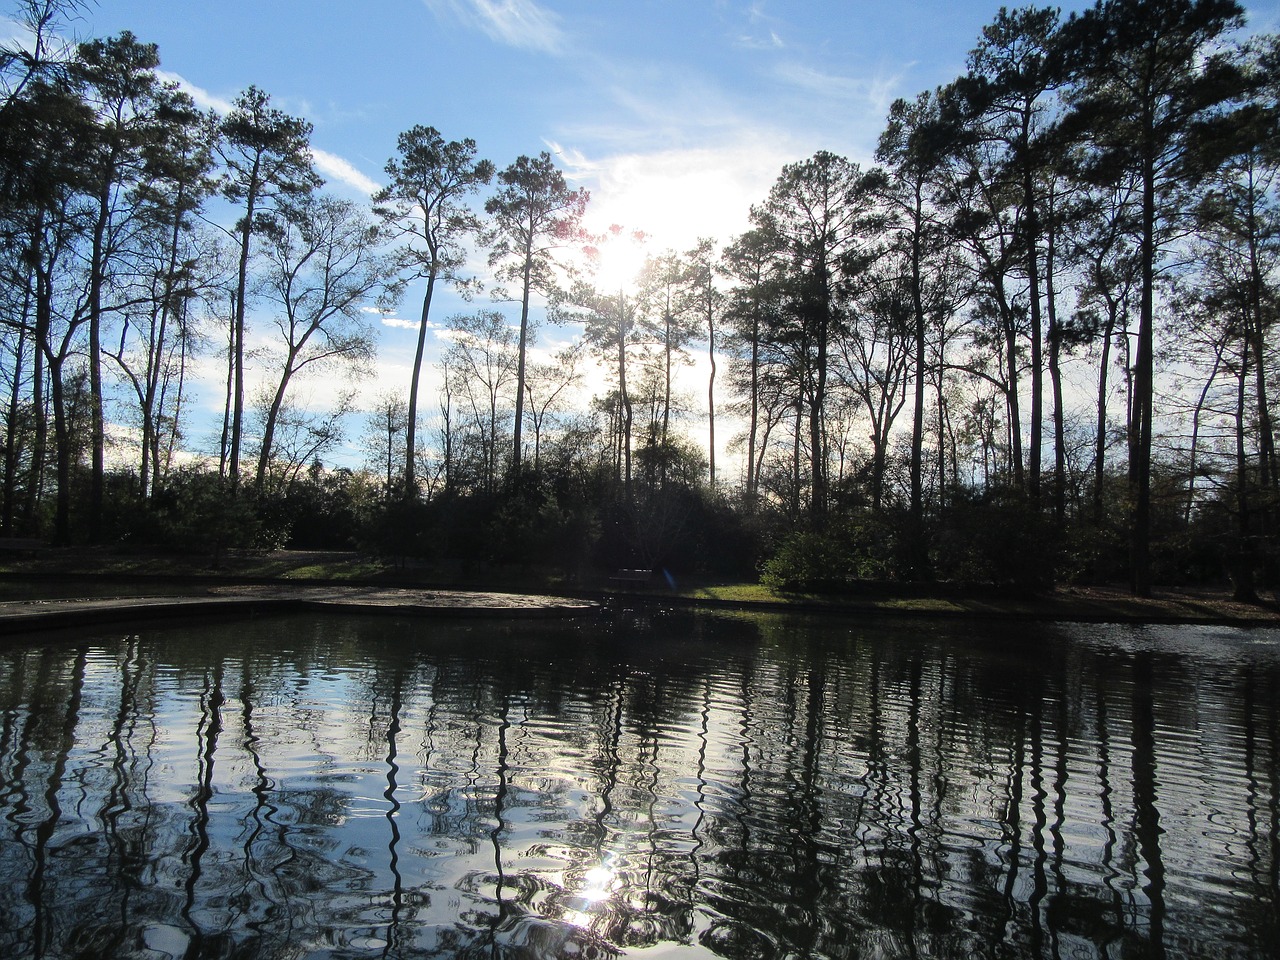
<point>677,115</point>
<point>713,95</point>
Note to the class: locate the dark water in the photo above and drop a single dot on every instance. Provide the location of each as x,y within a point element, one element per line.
<point>647,784</point>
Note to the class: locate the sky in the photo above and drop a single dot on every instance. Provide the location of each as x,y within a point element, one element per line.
<point>676,115</point>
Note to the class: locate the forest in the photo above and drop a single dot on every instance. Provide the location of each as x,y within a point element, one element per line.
<point>1032,343</point>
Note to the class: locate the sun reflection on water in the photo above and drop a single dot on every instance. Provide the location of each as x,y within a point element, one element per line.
<point>598,886</point>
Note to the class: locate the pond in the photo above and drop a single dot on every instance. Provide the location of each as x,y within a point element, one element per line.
<point>642,783</point>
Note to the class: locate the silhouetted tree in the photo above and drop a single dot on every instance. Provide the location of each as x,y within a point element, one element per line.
<point>266,163</point>
<point>426,207</point>
<point>533,214</point>
<point>1147,77</point>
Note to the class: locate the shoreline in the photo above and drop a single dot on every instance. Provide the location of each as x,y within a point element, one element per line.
<point>327,580</point>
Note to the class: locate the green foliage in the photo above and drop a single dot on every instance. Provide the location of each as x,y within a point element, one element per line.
<point>858,548</point>
<point>404,527</point>
<point>1000,538</point>
<point>198,512</point>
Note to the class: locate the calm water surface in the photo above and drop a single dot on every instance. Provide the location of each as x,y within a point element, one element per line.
<point>643,784</point>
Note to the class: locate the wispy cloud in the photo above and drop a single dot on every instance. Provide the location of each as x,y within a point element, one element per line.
<point>202,97</point>
<point>516,23</point>
<point>876,92</point>
<point>337,168</point>
<point>769,41</point>
<point>332,166</point>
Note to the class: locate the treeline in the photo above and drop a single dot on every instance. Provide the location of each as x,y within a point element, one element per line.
<point>1033,342</point>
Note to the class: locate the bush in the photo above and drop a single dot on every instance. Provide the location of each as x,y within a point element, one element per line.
<point>200,512</point>
<point>999,538</point>
<point>858,548</point>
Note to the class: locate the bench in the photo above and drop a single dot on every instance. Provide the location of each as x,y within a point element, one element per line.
<point>634,578</point>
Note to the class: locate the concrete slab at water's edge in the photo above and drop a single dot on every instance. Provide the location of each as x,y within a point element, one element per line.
<point>20,616</point>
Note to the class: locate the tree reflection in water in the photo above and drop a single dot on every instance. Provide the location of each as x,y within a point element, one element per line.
<point>742,787</point>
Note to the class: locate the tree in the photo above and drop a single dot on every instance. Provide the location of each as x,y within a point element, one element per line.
<point>302,436</point>
<point>548,386</point>
<point>666,318</point>
<point>705,303</point>
<point>47,56</point>
<point>750,261</point>
<point>1011,74</point>
<point>134,118</point>
<point>386,424</point>
<point>1109,275</point>
<point>913,147</point>
<point>822,212</point>
<point>874,360</point>
<point>1146,80</point>
<point>175,264</point>
<point>480,366</point>
<point>1234,301</point>
<point>47,133</point>
<point>533,214</point>
<point>425,206</point>
<point>608,307</point>
<point>267,167</point>
<point>323,265</point>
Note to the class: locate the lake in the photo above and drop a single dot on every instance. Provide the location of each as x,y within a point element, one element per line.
<point>646,783</point>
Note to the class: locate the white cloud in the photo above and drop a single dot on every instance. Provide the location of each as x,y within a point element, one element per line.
<point>202,97</point>
<point>400,324</point>
<point>337,168</point>
<point>516,23</point>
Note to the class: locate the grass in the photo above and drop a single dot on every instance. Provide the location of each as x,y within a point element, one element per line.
<point>1100,604</point>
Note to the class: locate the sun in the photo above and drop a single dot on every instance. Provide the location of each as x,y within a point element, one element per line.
<point>675,197</point>
<point>618,258</point>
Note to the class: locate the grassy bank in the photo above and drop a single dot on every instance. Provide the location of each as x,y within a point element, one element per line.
<point>1098,604</point>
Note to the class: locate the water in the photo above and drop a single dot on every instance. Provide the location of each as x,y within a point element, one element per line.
<point>643,784</point>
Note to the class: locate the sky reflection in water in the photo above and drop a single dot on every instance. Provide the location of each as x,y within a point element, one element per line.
<point>648,784</point>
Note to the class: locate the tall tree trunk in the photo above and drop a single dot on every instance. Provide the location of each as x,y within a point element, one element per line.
<point>916,533</point>
<point>517,450</point>
<point>1012,401</point>
<point>410,490</point>
<point>97,270</point>
<point>797,433</point>
<point>817,409</point>
<point>171,440</point>
<point>62,455</point>
<point>159,340</point>
<point>269,427</point>
<point>711,394</point>
<point>238,323</point>
<point>1143,387</point>
<point>1242,573</point>
<point>13,425</point>
<point>1100,440</point>
<point>224,456</point>
<point>624,399</point>
<point>1269,470</point>
<point>1037,338</point>
<point>1195,431</point>
<point>942,443</point>
<point>1055,377</point>
<point>39,355</point>
<point>753,471</point>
